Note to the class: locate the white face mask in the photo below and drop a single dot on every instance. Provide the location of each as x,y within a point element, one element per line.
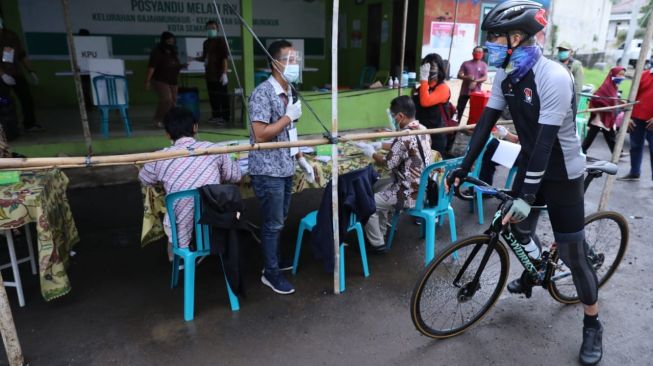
<point>291,73</point>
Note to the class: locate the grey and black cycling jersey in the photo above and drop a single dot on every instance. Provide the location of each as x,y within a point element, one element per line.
<point>542,105</point>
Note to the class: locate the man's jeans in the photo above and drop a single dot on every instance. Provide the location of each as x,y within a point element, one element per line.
<point>637,137</point>
<point>274,195</point>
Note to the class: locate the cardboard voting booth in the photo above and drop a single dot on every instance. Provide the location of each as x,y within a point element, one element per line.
<point>91,47</point>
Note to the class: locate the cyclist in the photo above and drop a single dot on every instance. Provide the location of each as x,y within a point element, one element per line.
<point>540,95</point>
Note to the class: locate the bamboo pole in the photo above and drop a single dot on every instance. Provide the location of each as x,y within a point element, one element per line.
<point>403,47</point>
<point>8,329</point>
<point>453,34</point>
<point>609,182</point>
<point>334,147</point>
<point>65,4</point>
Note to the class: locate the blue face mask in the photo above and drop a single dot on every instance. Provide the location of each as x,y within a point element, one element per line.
<point>563,55</point>
<point>291,73</point>
<point>618,79</point>
<point>212,33</point>
<point>496,54</point>
<point>522,60</point>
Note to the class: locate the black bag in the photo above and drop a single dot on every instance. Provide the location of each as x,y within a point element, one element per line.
<point>431,185</point>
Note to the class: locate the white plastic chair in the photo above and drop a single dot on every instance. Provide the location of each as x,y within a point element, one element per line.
<point>14,262</point>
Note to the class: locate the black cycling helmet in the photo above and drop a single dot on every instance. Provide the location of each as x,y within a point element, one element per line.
<point>513,15</point>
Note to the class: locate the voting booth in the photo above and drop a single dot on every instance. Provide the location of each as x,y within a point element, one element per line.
<point>190,48</point>
<point>91,47</point>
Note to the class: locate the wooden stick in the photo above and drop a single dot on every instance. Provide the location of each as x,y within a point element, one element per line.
<point>78,80</point>
<point>403,48</point>
<point>8,329</point>
<point>609,182</point>
<point>334,148</point>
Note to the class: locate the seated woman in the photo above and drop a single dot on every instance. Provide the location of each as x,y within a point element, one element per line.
<point>431,96</point>
<point>185,173</point>
<point>406,159</point>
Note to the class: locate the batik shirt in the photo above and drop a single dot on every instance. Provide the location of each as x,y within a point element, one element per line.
<point>267,105</point>
<point>406,164</point>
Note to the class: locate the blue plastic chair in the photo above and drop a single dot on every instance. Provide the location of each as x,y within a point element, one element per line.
<point>203,248</point>
<point>109,84</point>
<point>430,215</point>
<point>309,221</point>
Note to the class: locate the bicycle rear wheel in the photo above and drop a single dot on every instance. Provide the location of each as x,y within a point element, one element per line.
<point>606,238</point>
<point>440,309</point>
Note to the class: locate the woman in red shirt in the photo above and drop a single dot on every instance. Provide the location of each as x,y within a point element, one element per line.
<point>431,96</point>
<point>606,96</point>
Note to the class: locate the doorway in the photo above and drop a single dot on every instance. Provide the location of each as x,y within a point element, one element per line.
<point>411,36</point>
<point>374,18</point>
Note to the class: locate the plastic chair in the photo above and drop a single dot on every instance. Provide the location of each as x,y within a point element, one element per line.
<point>203,248</point>
<point>309,221</point>
<point>109,85</point>
<point>431,215</point>
<point>14,262</point>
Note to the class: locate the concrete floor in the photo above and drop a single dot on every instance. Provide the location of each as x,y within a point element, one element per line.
<point>121,310</point>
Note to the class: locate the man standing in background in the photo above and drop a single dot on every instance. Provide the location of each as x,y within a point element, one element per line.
<point>11,75</point>
<point>565,54</point>
<point>215,55</point>
<point>473,73</point>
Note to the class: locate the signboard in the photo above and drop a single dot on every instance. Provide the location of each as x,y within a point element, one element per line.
<point>461,44</point>
<point>88,47</point>
<point>134,25</point>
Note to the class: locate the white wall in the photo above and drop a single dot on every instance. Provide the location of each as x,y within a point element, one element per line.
<point>583,23</point>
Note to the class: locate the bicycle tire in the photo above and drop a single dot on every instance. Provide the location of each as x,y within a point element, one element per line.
<point>622,224</point>
<point>458,248</point>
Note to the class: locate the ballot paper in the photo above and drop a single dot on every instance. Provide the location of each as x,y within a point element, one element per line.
<point>506,153</point>
<point>292,136</point>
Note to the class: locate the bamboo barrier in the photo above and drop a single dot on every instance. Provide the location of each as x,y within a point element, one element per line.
<point>142,158</point>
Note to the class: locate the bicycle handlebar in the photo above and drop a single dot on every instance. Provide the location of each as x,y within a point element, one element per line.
<point>488,189</point>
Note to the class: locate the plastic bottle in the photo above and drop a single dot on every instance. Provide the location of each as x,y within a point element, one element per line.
<point>390,83</point>
<point>396,82</point>
<point>404,79</point>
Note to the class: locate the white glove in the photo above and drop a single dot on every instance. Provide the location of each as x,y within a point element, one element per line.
<point>8,79</point>
<point>368,150</point>
<point>377,145</point>
<point>224,80</point>
<point>502,132</point>
<point>34,77</point>
<point>294,110</point>
<point>307,169</point>
<point>424,71</point>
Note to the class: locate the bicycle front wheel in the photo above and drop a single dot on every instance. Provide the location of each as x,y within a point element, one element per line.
<point>606,239</point>
<point>441,308</point>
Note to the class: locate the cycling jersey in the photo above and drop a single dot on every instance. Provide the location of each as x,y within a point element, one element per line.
<point>542,105</point>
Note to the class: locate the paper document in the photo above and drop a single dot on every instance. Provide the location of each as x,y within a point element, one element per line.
<point>292,136</point>
<point>506,153</point>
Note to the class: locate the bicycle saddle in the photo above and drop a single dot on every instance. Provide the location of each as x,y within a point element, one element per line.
<point>602,166</point>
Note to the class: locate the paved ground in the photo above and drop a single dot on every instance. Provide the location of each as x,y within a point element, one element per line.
<point>122,312</point>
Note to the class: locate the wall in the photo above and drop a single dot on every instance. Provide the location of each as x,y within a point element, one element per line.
<point>59,91</point>
<point>586,33</point>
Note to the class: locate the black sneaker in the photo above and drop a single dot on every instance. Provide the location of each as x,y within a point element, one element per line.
<point>591,350</point>
<point>278,283</point>
<point>522,285</point>
<point>629,178</point>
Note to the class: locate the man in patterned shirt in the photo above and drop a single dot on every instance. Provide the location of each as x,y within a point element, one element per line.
<point>272,112</point>
<point>406,161</point>
<point>185,173</point>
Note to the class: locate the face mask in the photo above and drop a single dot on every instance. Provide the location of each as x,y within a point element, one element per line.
<point>477,55</point>
<point>213,33</point>
<point>433,73</point>
<point>522,60</point>
<point>391,121</point>
<point>291,73</point>
<point>496,54</point>
<point>563,55</point>
<point>618,79</point>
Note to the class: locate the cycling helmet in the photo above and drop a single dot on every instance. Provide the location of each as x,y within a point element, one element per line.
<point>512,15</point>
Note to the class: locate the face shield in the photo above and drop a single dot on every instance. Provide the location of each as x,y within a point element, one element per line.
<point>290,65</point>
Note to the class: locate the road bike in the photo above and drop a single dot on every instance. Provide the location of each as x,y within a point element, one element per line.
<point>465,280</point>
